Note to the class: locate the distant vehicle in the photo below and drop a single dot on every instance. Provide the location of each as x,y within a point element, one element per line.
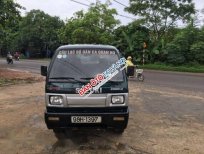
<point>9,59</point>
<point>71,68</point>
<point>139,73</point>
<point>135,72</point>
<point>17,56</point>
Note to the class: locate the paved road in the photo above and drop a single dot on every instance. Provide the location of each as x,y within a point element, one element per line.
<point>176,80</point>
<point>24,65</point>
<point>187,81</point>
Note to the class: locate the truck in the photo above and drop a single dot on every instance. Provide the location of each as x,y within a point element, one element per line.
<point>86,86</point>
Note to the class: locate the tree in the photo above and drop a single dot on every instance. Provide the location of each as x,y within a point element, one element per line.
<point>175,54</point>
<point>130,39</point>
<point>38,31</point>
<point>94,26</point>
<point>197,50</point>
<point>9,19</point>
<point>161,15</point>
<point>179,49</point>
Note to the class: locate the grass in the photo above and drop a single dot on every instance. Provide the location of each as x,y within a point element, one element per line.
<point>184,68</point>
<point>9,77</point>
<point>4,82</point>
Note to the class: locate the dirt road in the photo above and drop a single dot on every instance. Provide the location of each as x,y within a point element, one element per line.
<point>162,120</point>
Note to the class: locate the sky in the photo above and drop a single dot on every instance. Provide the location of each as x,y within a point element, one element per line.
<point>66,8</point>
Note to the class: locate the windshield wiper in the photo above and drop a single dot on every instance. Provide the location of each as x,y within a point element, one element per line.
<point>112,81</point>
<point>109,81</point>
<point>66,78</point>
<point>88,78</point>
<point>115,81</point>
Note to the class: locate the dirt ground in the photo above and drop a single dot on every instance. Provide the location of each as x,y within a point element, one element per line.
<point>17,75</point>
<point>10,77</point>
<point>162,120</point>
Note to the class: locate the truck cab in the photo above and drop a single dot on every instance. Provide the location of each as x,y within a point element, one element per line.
<point>86,86</point>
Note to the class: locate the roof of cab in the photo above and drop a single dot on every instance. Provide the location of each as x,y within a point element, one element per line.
<point>98,46</point>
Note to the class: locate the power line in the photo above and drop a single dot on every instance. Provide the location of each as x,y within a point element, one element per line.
<point>124,6</point>
<point>120,3</point>
<point>89,1</point>
<point>80,3</point>
<point>126,17</point>
<point>117,14</point>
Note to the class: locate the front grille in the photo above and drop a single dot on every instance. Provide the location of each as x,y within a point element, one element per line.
<point>88,110</point>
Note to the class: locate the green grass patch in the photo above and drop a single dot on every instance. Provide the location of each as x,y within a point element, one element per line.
<point>6,82</point>
<point>184,68</point>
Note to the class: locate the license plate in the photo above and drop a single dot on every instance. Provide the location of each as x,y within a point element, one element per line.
<point>86,119</point>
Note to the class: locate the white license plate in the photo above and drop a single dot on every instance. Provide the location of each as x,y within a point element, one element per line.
<point>86,119</point>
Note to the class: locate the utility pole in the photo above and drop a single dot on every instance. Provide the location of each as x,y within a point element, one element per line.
<point>143,55</point>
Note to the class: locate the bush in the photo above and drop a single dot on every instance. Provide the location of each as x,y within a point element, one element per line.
<point>175,55</point>
<point>22,56</point>
<point>176,58</point>
<point>198,50</point>
<point>192,63</point>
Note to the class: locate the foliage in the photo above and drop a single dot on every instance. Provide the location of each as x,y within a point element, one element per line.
<point>184,68</point>
<point>166,43</point>
<point>161,15</point>
<point>179,48</point>
<point>37,31</point>
<point>9,19</point>
<point>130,39</point>
<point>94,26</point>
<point>197,50</point>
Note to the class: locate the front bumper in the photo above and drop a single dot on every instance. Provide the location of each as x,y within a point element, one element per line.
<point>111,117</point>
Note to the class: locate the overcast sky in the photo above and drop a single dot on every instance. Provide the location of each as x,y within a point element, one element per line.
<point>66,8</point>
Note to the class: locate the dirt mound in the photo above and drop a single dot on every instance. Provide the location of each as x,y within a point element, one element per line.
<point>8,76</point>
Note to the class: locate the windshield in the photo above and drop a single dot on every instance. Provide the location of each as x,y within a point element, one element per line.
<point>83,63</point>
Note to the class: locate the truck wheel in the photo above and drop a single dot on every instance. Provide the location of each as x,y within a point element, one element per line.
<point>59,134</point>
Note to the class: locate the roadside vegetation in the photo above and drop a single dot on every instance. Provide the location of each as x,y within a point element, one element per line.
<point>154,34</point>
<point>183,68</point>
<point>10,77</point>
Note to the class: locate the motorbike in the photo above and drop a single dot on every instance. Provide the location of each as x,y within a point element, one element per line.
<point>135,72</point>
<point>9,59</point>
<point>139,74</point>
<point>16,57</point>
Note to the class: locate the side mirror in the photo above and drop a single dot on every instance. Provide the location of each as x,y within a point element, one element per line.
<point>44,70</point>
<point>130,71</point>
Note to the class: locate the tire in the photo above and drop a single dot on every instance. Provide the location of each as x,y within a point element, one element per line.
<point>59,134</point>
<point>140,77</point>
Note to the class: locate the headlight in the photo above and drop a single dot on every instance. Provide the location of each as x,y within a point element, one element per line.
<point>117,99</point>
<point>56,100</point>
